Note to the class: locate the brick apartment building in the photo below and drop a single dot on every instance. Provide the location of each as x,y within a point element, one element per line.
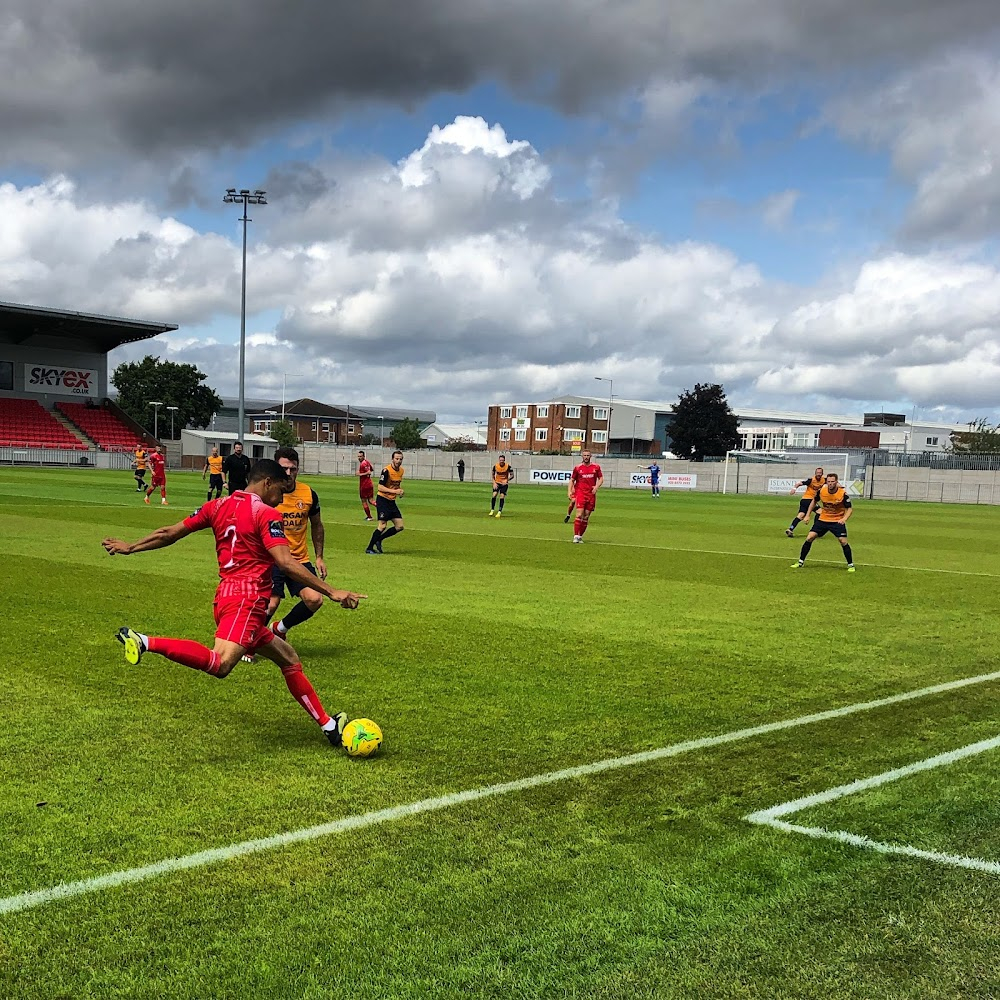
<point>553,426</point>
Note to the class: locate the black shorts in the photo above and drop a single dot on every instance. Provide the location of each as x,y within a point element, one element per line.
<point>232,486</point>
<point>279,581</point>
<point>386,510</point>
<point>214,481</point>
<point>500,488</point>
<point>836,528</point>
<point>140,473</point>
<point>804,505</point>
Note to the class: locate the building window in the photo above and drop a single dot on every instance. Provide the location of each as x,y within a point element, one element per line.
<point>258,426</point>
<point>314,426</point>
<point>600,413</point>
<point>541,411</point>
<point>599,437</point>
<point>572,411</point>
<point>326,425</point>
<point>350,428</point>
<point>504,412</point>
<point>521,434</point>
<point>932,440</point>
<point>504,433</point>
<point>572,434</point>
<point>522,413</point>
<point>541,433</point>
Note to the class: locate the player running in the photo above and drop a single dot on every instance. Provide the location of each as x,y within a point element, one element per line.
<point>213,466</point>
<point>158,463</point>
<point>390,489</point>
<point>298,508</point>
<point>366,488</point>
<point>249,539</point>
<point>832,518</point>
<point>503,474</point>
<point>813,485</point>
<point>584,483</point>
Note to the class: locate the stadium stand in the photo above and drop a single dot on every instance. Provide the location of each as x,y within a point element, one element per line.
<point>101,426</point>
<point>25,423</point>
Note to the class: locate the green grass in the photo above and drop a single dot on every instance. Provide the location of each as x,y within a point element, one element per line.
<point>490,651</point>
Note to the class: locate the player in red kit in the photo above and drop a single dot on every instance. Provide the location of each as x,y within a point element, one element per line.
<point>584,483</point>
<point>366,488</point>
<point>249,539</point>
<point>158,463</point>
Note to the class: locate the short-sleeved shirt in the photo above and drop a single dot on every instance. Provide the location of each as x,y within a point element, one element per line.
<point>813,485</point>
<point>214,463</point>
<point>502,473</point>
<point>158,463</point>
<point>654,472</point>
<point>296,509</point>
<point>365,469</point>
<point>585,477</point>
<point>140,459</point>
<point>390,479</point>
<point>246,530</point>
<point>835,503</point>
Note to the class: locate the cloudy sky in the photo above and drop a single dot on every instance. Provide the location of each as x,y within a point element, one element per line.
<point>472,201</point>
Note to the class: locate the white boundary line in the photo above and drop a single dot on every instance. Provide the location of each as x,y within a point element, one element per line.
<point>769,817</point>
<point>30,900</point>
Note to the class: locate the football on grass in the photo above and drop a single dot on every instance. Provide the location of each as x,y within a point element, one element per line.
<point>362,738</point>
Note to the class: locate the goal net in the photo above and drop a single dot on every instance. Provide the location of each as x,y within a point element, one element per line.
<point>779,471</point>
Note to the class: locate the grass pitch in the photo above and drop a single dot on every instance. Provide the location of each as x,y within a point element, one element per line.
<point>491,651</point>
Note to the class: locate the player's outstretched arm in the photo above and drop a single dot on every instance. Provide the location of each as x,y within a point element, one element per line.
<point>294,570</point>
<point>159,539</point>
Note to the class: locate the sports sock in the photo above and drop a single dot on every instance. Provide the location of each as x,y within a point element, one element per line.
<point>187,652</point>
<point>299,614</point>
<point>388,533</point>
<point>367,507</point>
<point>302,691</point>
<point>583,527</point>
<point>570,509</point>
<point>578,526</point>
<point>376,534</point>
<point>806,546</point>
<point>501,503</point>
<point>848,556</point>
<point>795,523</point>
<point>209,497</point>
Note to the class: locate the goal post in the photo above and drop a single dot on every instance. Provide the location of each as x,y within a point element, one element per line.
<point>786,465</point>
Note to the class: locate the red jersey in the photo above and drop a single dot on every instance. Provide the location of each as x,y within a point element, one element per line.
<point>246,529</point>
<point>365,469</point>
<point>585,477</point>
<point>158,463</point>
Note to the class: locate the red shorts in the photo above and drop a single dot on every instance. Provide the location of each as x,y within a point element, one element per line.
<point>158,481</point>
<point>585,501</point>
<point>242,620</point>
<point>367,489</point>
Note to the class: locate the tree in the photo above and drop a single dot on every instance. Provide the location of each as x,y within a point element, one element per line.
<point>370,439</point>
<point>283,431</point>
<point>703,424</point>
<point>463,443</point>
<point>406,435</point>
<point>141,382</point>
<point>981,438</point>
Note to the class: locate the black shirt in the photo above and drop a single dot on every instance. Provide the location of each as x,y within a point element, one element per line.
<point>237,468</point>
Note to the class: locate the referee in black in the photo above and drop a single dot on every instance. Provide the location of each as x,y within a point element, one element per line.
<point>237,469</point>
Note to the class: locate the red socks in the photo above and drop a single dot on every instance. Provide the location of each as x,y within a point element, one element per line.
<point>367,507</point>
<point>186,651</point>
<point>302,691</point>
<point>578,526</point>
<point>583,526</point>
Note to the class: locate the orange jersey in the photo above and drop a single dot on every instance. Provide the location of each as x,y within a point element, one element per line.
<point>813,485</point>
<point>140,459</point>
<point>390,479</point>
<point>835,503</point>
<point>214,463</point>
<point>296,509</point>
<point>502,473</point>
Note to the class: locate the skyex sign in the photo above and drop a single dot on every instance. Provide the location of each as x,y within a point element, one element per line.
<point>60,381</point>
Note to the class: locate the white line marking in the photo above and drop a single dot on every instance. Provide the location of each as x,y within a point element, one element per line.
<point>769,817</point>
<point>30,900</point>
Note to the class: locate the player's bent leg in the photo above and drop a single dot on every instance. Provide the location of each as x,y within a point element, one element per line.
<point>283,654</point>
<point>310,601</point>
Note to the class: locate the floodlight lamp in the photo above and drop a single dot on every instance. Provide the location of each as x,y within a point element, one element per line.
<point>244,191</point>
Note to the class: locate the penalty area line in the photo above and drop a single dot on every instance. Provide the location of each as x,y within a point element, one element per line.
<point>129,876</point>
<point>771,817</point>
